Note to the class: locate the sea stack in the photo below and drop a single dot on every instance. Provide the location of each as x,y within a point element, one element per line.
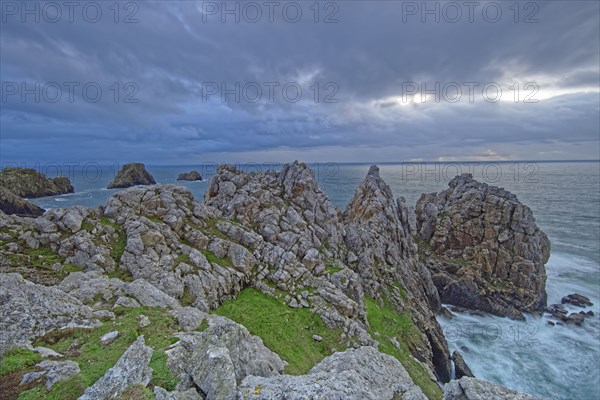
<point>483,248</point>
<point>132,175</point>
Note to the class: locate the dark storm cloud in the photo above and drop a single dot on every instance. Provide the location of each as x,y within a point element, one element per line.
<point>369,56</point>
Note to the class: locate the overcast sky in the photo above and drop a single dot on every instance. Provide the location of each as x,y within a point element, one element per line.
<point>360,66</point>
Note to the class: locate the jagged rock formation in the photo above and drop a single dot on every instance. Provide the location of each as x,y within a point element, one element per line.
<point>359,374</point>
<point>483,248</point>
<point>13,204</point>
<point>131,369</point>
<point>189,176</point>
<point>473,389</point>
<point>131,175</point>
<point>27,182</point>
<point>384,254</point>
<point>156,247</point>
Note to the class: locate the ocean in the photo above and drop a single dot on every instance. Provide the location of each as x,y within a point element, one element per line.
<point>551,362</point>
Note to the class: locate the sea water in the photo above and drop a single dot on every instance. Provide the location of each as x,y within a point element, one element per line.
<point>552,362</point>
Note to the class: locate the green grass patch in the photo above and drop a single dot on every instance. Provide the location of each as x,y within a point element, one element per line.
<point>18,359</point>
<point>94,359</point>
<point>286,331</point>
<point>212,258</point>
<point>332,269</point>
<point>391,324</point>
<point>137,392</point>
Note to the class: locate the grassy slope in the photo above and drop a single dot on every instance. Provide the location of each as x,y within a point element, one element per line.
<point>286,331</point>
<point>94,359</point>
<point>390,324</point>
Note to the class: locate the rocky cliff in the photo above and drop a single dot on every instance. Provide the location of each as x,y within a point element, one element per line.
<point>27,182</point>
<point>322,294</point>
<point>483,248</point>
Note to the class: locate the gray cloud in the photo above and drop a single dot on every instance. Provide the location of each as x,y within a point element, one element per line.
<point>369,55</point>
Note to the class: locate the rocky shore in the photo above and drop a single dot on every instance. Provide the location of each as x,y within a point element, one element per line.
<point>265,290</point>
<point>17,184</point>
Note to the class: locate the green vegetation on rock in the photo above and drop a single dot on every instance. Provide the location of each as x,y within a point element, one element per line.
<point>390,324</point>
<point>284,330</point>
<point>94,359</point>
<point>18,359</point>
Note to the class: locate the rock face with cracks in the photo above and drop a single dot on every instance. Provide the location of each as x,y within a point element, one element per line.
<point>484,249</point>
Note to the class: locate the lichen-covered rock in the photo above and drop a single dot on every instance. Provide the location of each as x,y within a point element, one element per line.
<point>189,176</point>
<point>360,374</point>
<point>30,310</point>
<point>10,204</point>
<point>131,369</point>
<point>484,249</point>
<point>131,175</point>
<point>474,389</point>
<point>217,359</point>
<point>27,182</point>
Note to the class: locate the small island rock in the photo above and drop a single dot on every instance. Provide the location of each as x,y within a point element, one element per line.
<point>131,175</point>
<point>27,182</point>
<point>189,176</point>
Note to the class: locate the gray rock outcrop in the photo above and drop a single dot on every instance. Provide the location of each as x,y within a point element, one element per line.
<point>30,310</point>
<point>483,248</point>
<point>131,369</point>
<point>379,234</point>
<point>131,175</point>
<point>360,374</point>
<point>474,389</point>
<point>460,366</point>
<point>217,359</point>
<point>189,176</point>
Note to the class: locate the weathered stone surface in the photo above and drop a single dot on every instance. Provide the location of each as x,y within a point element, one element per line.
<point>108,337</point>
<point>189,176</point>
<point>360,374</point>
<point>131,175</point>
<point>484,248</point>
<point>162,394</point>
<point>189,318</point>
<point>57,371</point>
<point>150,296</point>
<point>27,182</point>
<point>473,389</point>
<point>218,358</point>
<point>131,369</point>
<point>379,233</point>
<point>460,366</point>
<point>30,310</point>
<point>10,204</point>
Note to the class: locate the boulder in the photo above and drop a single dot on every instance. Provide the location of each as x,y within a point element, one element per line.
<point>131,175</point>
<point>13,204</point>
<point>189,176</point>
<point>460,366</point>
<point>360,374</point>
<point>217,359</point>
<point>468,388</point>
<point>131,369</point>
<point>576,299</point>
<point>27,182</point>
<point>483,248</point>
